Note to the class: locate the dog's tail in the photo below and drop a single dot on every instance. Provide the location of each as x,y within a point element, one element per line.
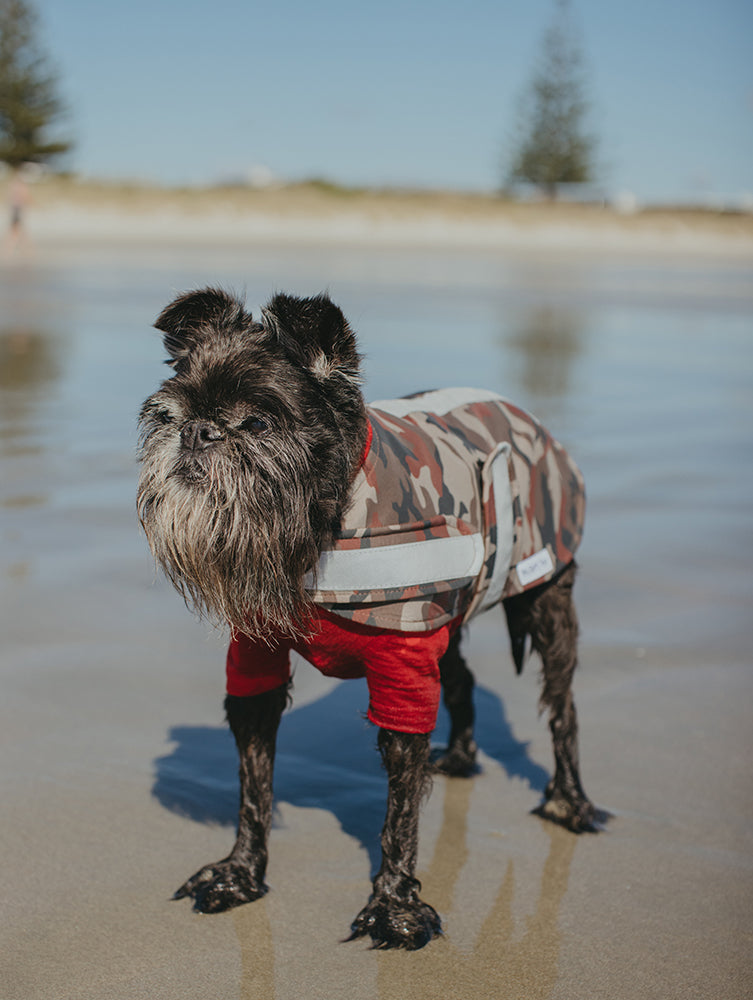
<point>524,617</point>
<point>520,637</point>
<point>521,650</point>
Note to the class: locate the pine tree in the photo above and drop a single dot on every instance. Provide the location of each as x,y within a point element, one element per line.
<point>553,147</point>
<point>29,103</point>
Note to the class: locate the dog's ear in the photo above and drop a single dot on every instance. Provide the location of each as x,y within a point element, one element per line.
<point>315,334</point>
<point>194,316</point>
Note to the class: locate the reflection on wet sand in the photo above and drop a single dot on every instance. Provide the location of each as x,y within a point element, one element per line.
<point>23,361</point>
<point>549,339</point>
<point>500,959</point>
<point>29,362</point>
<point>257,952</point>
<point>27,358</point>
<point>35,346</point>
<point>451,850</point>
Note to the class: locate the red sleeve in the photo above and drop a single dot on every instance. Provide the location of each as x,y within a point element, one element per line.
<point>402,671</point>
<point>253,667</point>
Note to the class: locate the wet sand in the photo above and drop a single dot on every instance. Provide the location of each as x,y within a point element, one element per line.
<point>118,777</point>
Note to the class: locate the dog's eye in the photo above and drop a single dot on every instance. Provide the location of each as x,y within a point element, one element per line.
<point>164,417</point>
<point>254,424</point>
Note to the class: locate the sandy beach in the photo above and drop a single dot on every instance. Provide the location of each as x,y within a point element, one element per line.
<point>631,338</point>
<point>319,214</point>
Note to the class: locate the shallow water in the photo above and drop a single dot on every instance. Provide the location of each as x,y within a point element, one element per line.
<point>112,721</point>
<point>642,368</point>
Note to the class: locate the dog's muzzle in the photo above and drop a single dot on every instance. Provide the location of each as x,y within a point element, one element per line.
<point>198,435</point>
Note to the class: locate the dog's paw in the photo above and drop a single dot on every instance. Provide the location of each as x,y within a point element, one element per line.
<point>397,923</point>
<point>457,761</point>
<point>577,815</point>
<point>220,887</point>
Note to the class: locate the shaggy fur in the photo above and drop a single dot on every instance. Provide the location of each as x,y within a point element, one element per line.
<point>227,449</point>
<point>247,455</point>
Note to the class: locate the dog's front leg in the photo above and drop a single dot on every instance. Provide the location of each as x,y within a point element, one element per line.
<point>395,916</point>
<point>239,878</point>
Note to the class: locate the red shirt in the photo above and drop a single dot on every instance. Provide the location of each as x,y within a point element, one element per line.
<point>401,668</point>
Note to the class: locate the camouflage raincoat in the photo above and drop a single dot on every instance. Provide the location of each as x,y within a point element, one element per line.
<point>462,500</point>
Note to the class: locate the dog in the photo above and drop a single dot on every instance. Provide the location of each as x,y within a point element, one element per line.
<point>362,537</point>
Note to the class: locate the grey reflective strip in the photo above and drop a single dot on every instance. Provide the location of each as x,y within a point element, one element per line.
<point>410,564</point>
<point>439,401</point>
<point>503,512</point>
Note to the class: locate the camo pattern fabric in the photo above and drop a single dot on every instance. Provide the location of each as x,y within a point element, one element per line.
<point>426,476</point>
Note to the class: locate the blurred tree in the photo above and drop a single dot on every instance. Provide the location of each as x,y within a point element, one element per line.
<point>29,104</point>
<point>552,146</point>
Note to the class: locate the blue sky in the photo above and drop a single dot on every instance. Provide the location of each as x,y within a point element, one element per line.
<point>398,93</point>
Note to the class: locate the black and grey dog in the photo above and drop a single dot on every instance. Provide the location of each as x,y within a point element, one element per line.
<point>264,476</point>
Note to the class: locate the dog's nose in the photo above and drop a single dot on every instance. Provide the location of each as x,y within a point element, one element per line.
<point>197,435</point>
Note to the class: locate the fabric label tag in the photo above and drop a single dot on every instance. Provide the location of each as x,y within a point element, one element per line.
<point>534,567</point>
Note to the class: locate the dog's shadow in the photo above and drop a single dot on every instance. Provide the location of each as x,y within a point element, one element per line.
<point>326,758</point>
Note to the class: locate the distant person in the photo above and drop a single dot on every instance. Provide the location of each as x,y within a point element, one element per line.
<point>18,201</point>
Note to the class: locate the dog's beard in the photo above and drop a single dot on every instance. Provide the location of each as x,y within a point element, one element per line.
<point>236,537</point>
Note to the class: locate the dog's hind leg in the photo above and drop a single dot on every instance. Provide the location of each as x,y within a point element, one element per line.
<point>239,878</point>
<point>548,615</point>
<point>459,759</point>
<point>395,916</point>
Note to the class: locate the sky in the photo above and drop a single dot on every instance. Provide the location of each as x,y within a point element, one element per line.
<point>399,93</point>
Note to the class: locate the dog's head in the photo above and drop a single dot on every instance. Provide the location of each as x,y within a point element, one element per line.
<point>248,451</point>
